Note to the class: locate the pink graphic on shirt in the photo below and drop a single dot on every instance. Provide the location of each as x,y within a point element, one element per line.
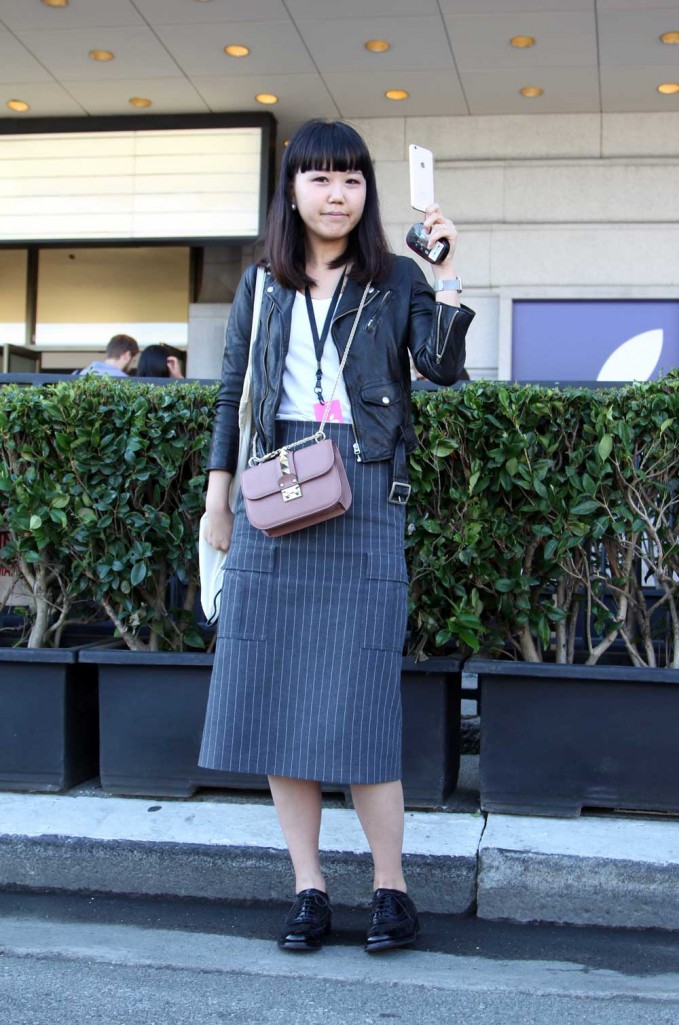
<point>335,414</point>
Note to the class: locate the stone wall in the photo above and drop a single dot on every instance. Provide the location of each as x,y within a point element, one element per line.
<point>566,205</point>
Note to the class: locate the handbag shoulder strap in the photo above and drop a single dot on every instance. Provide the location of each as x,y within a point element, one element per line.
<point>359,311</point>
<point>256,309</point>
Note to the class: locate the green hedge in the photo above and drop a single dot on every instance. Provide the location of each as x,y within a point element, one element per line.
<point>536,518</point>
<point>102,483</point>
<point>539,515</point>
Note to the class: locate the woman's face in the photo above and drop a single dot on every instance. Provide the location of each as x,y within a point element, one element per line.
<point>329,202</point>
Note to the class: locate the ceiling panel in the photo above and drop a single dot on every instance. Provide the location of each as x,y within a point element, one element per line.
<point>362,95</point>
<point>17,64</point>
<point>626,88</point>
<point>138,53</point>
<point>275,48</point>
<point>637,5</point>
<point>338,46</point>
<point>566,90</point>
<point>188,12</point>
<point>168,96</point>
<point>31,14</point>
<point>311,53</point>
<point>632,37</point>
<point>452,7</point>
<point>46,99</point>
<point>562,39</point>
<point>300,96</point>
<point>361,8</point>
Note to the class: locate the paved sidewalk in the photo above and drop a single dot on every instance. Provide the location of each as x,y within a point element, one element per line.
<point>85,970</point>
<point>598,870</point>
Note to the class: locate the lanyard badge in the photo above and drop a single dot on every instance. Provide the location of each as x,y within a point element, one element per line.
<point>319,341</point>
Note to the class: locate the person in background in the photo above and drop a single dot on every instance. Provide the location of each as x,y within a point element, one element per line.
<point>121,352</point>
<point>160,361</point>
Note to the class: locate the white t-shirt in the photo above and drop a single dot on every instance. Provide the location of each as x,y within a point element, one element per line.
<point>299,374</point>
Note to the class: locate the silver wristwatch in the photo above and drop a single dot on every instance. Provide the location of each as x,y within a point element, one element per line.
<point>448,285</point>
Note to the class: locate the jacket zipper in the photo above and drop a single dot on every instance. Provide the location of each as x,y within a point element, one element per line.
<point>345,313</point>
<point>386,299</point>
<point>441,352</point>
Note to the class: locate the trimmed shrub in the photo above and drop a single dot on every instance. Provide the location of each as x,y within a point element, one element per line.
<point>543,522</point>
<point>540,516</point>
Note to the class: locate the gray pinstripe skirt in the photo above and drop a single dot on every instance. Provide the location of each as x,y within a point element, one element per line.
<point>307,669</point>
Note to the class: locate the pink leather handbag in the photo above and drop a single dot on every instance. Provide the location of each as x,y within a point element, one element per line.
<point>304,483</point>
<point>296,489</point>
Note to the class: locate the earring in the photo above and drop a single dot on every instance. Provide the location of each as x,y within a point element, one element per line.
<point>293,206</point>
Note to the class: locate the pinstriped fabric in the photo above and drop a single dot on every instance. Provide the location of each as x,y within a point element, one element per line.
<point>306,678</point>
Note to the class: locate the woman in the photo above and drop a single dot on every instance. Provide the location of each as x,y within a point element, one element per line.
<point>160,361</point>
<point>306,680</point>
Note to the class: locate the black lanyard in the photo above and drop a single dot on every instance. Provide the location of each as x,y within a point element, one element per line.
<point>319,342</point>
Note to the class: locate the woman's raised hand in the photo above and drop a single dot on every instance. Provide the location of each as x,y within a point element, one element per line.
<point>439,226</point>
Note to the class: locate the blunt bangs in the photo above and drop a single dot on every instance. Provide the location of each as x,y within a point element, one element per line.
<point>327,146</point>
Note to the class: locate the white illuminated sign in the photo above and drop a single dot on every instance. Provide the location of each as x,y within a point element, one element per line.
<point>131,185</point>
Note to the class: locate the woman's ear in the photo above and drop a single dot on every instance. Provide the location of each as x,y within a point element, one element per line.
<point>174,367</point>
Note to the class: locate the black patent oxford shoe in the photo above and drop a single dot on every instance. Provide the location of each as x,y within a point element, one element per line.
<point>308,921</point>
<point>394,921</point>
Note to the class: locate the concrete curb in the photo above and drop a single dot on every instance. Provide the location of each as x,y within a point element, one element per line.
<point>218,851</point>
<point>604,871</point>
<point>589,871</point>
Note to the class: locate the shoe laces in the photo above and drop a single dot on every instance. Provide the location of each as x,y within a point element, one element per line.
<point>385,903</point>
<point>308,904</point>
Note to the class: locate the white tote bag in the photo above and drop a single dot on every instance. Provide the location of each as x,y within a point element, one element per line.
<point>211,560</point>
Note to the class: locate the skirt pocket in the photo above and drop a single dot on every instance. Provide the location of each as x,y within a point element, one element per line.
<point>386,607</point>
<point>248,578</point>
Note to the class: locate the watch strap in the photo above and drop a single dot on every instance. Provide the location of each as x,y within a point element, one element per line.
<point>448,285</point>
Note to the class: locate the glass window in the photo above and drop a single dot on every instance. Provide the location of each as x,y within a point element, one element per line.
<point>87,295</point>
<point>13,296</point>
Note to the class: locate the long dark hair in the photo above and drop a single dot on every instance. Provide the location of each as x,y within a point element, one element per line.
<point>325,146</point>
<point>153,360</point>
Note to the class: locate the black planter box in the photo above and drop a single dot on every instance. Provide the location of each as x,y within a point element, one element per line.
<point>151,712</point>
<point>152,708</point>
<point>431,695</point>
<point>557,738</point>
<point>48,720</point>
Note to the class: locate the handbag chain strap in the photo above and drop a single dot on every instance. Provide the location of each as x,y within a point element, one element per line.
<point>319,435</point>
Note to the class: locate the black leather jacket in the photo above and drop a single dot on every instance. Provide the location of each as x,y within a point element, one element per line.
<point>400,314</point>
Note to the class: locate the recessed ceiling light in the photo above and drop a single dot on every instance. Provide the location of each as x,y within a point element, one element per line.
<point>397,94</point>
<point>18,105</point>
<point>55,3</point>
<point>139,101</point>
<point>531,91</point>
<point>266,98</point>
<point>236,50</point>
<point>669,37</point>
<point>101,55</point>
<point>377,45</point>
<point>669,88</point>
<point>522,42</point>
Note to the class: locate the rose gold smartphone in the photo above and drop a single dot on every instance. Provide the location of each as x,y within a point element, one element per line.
<point>422,196</point>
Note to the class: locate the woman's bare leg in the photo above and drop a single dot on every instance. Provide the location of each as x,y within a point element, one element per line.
<point>298,806</point>
<point>379,807</point>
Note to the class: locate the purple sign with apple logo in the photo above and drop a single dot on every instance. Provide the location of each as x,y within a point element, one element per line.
<point>595,340</point>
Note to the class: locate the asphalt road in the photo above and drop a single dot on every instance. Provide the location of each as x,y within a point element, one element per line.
<point>78,960</point>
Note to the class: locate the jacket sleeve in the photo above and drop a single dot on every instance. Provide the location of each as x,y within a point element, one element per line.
<point>437,332</point>
<point>223,453</point>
